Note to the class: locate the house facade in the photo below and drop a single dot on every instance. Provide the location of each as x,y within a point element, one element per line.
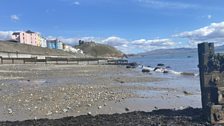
<point>54,44</point>
<point>28,37</point>
<point>43,42</point>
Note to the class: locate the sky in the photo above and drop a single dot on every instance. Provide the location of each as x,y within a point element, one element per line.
<point>133,26</point>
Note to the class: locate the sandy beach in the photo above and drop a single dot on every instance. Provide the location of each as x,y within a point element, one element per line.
<point>35,91</point>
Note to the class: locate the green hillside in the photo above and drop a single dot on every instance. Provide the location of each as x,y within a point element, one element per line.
<point>99,50</point>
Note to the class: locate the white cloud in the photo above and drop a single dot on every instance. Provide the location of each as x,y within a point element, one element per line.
<point>5,35</point>
<point>212,33</point>
<point>115,41</point>
<point>127,46</point>
<point>209,16</point>
<point>164,4</point>
<point>154,42</point>
<point>14,18</point>
<point>77,3</point>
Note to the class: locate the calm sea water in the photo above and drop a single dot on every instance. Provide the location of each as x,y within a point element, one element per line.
<point>178,62</point>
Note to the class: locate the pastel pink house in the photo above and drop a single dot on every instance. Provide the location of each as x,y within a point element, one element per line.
<point>28,37</point>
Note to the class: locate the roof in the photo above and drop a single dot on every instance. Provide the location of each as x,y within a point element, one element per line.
<point>15,33</point>
<point>29,31</point>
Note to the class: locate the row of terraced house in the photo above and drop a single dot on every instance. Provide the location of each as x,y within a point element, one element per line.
<point>35,39</point>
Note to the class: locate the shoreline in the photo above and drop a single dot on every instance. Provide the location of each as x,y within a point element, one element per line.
<point>56,91</point>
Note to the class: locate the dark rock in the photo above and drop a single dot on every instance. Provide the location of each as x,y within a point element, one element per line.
<point>128,66</point>
<point>168,67</point>
<point>187,74</point>
<point>165,71</point>
<point>127,109</point>
<point>164,117</point>
<point>187,93</point>
<point>145,70</point>
<point>161,65</point>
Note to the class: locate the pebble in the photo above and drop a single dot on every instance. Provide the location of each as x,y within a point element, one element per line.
<point>49,113</point>
<point>65,110</point>
<point>181,107</point>
<point>187,93</point>
<point>99,107</point>
<point>10,111</point>
<point>89,113</point>
<point>127,109</point>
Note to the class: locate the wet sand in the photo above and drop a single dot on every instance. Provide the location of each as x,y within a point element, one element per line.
<point>54,91</point>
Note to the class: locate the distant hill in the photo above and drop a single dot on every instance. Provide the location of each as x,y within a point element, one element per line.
<point>170,51</point>
<point>219,49</point>
<point>99,50</point>
<point>6,46</point>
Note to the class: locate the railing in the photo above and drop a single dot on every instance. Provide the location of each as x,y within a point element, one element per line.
<point>48,60</point>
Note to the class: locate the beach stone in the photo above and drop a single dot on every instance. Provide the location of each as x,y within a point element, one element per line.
<point>65,110</point>
<point>127,109</point>
<point>10,111</point>
<point>187,93</point>
<point>99,107</point>
<point>181,107</point>
<point>145,70</point>
<point>49,113</point>
<point>89,113</point>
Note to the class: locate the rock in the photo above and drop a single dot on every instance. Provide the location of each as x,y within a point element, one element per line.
<point>10,111</point>
<point>187,74</point>
<point>165,71</point>
<point>187,93</point>
<point>105,104</point>
<point>181,108</point>
<point>49,113</point>
<point>99,107</point>
<point>65,110</point>
<point>89,105</point>
<point>127,109</point>
<point>89,113</point>
<point>156,108</point>
<point>161,64</point>
<point>122,82</point>
<point>145,70</point>
<point>128,66</point>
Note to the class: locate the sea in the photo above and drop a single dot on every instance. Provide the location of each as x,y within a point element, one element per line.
<point>177,62</point>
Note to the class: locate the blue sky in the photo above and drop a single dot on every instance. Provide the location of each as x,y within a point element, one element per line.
<point>130,25</point>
